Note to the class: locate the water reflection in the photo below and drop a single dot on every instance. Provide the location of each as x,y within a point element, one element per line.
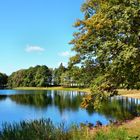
<point>62,100</point>
<point>63,105</point>
<point>119,108</point>
<point>3,97</point>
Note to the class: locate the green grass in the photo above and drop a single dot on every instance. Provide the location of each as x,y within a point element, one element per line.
<point>112,134</point>
<point>46,130</point>
<point>54,88</point>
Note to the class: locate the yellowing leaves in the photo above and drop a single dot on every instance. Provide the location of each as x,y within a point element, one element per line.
<point>98,21</point>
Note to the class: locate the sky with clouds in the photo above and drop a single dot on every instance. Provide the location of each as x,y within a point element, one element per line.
<point>36,32</point>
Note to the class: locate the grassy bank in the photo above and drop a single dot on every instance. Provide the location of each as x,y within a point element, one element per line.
<point>129,93</point>
<point>132,127</point>
<point>46,130</point>
<point>54,88</point>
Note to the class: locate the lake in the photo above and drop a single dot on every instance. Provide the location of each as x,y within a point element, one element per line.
<point>62,106</point>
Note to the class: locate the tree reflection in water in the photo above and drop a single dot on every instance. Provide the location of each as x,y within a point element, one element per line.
<point>3,97</point>
<point>119,108</point>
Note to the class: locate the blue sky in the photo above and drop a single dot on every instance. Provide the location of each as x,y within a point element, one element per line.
<point>36,32</point>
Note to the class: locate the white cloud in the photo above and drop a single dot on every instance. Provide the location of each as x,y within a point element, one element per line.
<point>31,48</point>
<point>65,54</point>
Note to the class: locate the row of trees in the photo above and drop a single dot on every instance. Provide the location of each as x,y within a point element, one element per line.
<point>39,76</point>
<point>42,76</point>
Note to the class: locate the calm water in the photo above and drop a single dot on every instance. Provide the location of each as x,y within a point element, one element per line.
<point>62,106</point>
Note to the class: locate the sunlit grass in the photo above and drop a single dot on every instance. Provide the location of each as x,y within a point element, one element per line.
<point>129,93</point>
<point>54,88</point>
<point>133,127</point>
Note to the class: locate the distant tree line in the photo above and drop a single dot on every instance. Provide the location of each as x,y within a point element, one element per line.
<point>38,76</point>
<point>42,76</point>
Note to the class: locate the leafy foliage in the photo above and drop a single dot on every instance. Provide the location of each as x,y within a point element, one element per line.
<point>3,80</point>
<point>109,37</point>
<point>57,74</point>
<point>39,76</point>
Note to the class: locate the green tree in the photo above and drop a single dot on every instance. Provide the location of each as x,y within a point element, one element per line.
<point>3,80</point>
<point>57,74</point>
<point>65,79</point>
<point>43,76</point>
<point>73,77</point>
<point>38,76</point>
<point>109,37</point>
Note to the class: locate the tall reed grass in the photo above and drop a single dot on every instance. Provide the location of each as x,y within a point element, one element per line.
<point>44,129</point>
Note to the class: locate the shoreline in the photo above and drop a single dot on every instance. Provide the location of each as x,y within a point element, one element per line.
<point>87,90</point>
<point>131,126</point>
<point>122,92</point>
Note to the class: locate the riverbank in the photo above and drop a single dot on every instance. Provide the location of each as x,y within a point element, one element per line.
<point>132,126</point>
<point>54,88</point>
<point>129,129</point>
<point>129,93</point>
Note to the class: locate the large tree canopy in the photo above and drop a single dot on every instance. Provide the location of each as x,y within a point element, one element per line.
<point>109,37</point>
